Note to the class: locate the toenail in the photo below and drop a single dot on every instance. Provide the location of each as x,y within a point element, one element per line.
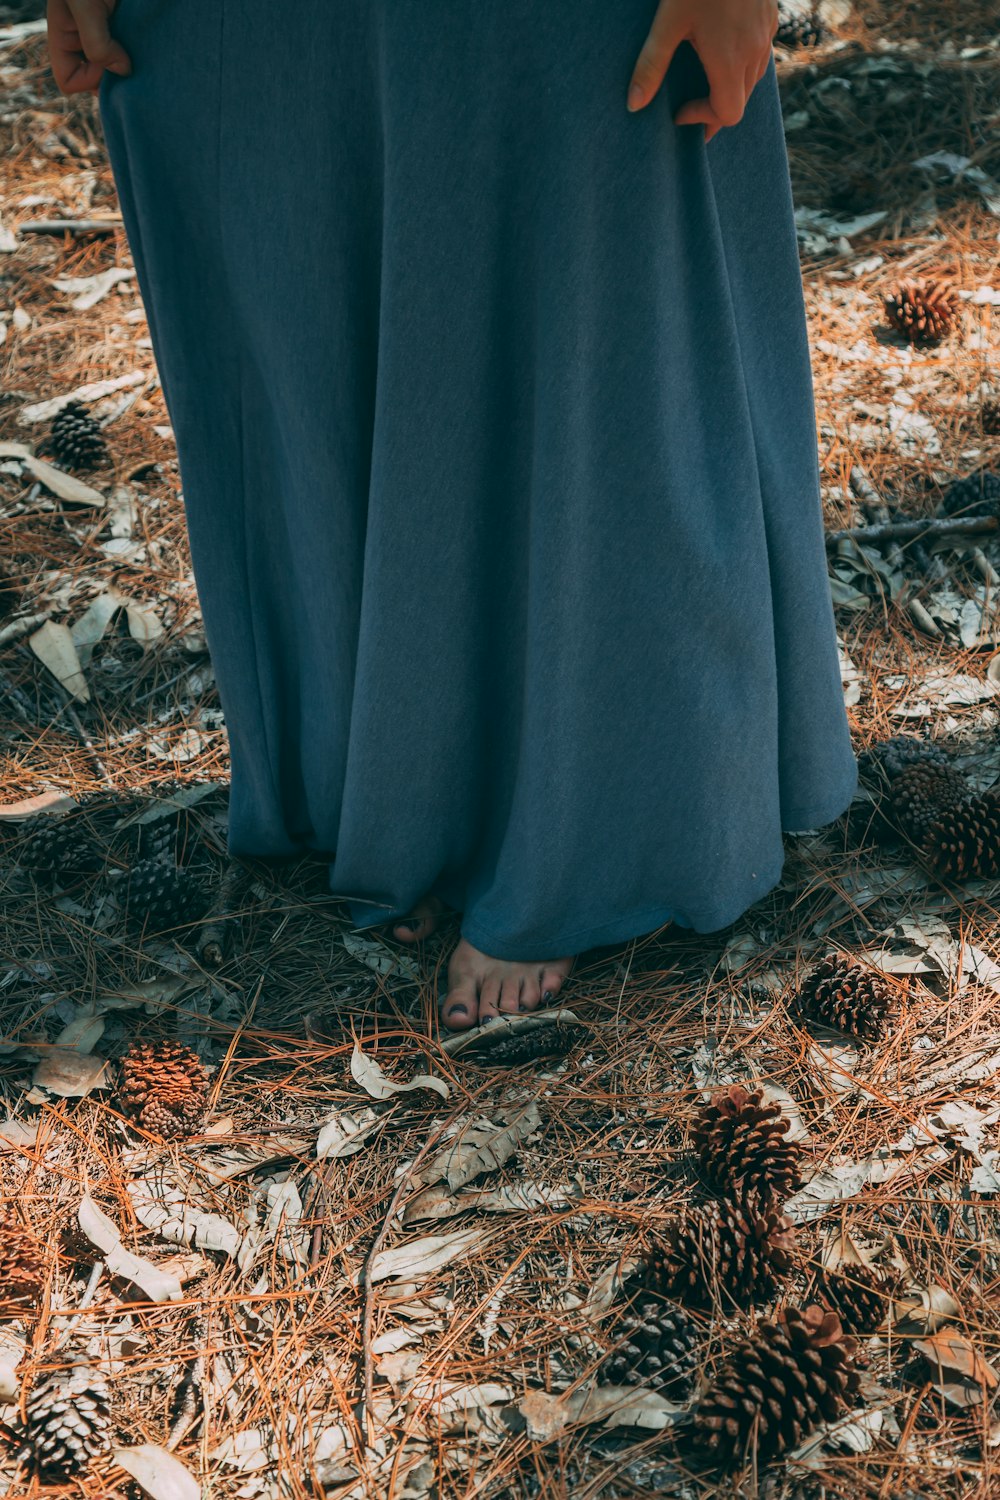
<point>546,995</point>
<point>459,1010</point>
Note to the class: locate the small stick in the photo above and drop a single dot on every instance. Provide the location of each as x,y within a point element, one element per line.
<point>70,226</point>
<point>66,1326</point>
<point>934,526</point>
<point>189,1391</point>
<point>983,565</point>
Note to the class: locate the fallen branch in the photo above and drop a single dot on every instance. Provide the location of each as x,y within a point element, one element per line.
<point>894,531</point>
<point>71,226</point>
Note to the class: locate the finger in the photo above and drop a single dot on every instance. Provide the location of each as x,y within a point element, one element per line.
<point>725,102</point>
<point>96,41</point>
<point>665,36</point>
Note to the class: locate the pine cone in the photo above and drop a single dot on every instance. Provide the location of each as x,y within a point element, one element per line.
<point>655,1343</point>
<point>990,414</point>
<point>859,1296</point>
<point>776,1387</point>
<point>921,792</point>
<point>978,494</point>
<point>160,896</point>
<point>22,1264</point>
<point>886,759</point>
<point>743,1145</point>
<point>922,311</point>
<point>67,1419</point>
<point>963,843</point>
<point>164,1087</point>
<point>76,439</point>
<point>50,847</point>
<point>843,993</point>
<point>729,1251</point>
<point>798,28</point>
<point>532,1045</point>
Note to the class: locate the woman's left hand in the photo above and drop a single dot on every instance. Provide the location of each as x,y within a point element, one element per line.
<point>733,40</point>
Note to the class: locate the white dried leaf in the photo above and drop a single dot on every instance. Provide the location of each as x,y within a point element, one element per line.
<point>70,1074</point>
<point>828,1187</point>
<point>346,1132</point>
<point>480,1146</point>
<point>100,1231</point>
<point>366,1072</point>
<point>151,995</point>
<point>144,624</point>
<point>547,1416</point>
<point>43,411</point>
<point>160,1205</point>
<point>53,645</point>
<point>380,958</point>
<point>422,1257</point>
<point>91,626</point>
<point>90,290</point>
<point>15,1135</point>
<point>158,1473</point>
<point>81,1034</point>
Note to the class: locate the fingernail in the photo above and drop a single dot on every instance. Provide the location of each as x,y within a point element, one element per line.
<point>635,96</point>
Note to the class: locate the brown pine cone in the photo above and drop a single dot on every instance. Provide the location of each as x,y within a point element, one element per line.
<point>22,1264</point>
<point>843,993</point>
<point>776,1387</point>
<point>921,310</point>
<point>729,1252</point>
<point>921,793</point>
<point>164,1087</point>
<point>963,843</point>
<point>67,1419</point>
<point>743,1146</point>
<point>859,1296</point>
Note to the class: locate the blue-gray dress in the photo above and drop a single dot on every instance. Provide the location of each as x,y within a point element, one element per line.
<point>497,442</point>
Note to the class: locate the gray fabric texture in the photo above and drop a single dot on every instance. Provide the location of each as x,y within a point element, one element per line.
<point>496,434</point>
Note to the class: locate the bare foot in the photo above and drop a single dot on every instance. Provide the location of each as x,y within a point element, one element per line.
<point>481,987</point>
<point>421,922</point>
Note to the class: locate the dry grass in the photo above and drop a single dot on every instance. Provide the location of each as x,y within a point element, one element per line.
<point>282,1339</point>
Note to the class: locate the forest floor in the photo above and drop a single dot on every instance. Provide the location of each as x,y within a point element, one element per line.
<point>337,1287</point>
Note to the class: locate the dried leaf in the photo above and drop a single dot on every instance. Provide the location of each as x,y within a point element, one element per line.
<point>827,1187</point>
<point>422,1257</point>
<point>366,1071</point>
<point>479,1146</point>
<point>100,1230</point>
<point>949,1350</point>
<point>160,1205</point>
<point>53,645</point>
<point>346,1132</point>
<point>380,958</point>
<point>923,1310</point>
<point>158,1473</point>
<point>16,1136</point>
<point>65,486</point>
<point>484,1038</point>
<point>69,1073</point>
<point>547,1416</point>
<point>92,289</point>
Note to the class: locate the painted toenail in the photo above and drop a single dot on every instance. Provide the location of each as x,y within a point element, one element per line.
<point>459,1010</point>
<point>546,995</point>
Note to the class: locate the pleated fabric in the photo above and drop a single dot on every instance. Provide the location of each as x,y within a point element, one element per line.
<point>496,434</point>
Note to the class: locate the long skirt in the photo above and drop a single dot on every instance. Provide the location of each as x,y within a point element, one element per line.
<point>496,436</point>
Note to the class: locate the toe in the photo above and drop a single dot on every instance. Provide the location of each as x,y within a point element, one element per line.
<point>489,1000</point>
<point>531,993</point>
<point>552,982</point>
<point>510,996</point>
<point>412,931</point>
<point>459,1010</point>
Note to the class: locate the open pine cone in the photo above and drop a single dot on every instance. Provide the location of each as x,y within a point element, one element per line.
<point>859,1296</point>
<point>776,1387</point>
<point>886,759</point>
<point>655,1343</point>
<point>743,1146</point>
<point>728,1252</point>
<point>164,1087</point>
<point>921,793</point>
<point>67,1419</point>
<point>843,993</point>
<point>922,311</point>
<point>22,1264</point>
<point>963,842</point>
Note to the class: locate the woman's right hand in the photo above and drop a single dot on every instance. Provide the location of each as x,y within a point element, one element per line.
<point>81,45</point>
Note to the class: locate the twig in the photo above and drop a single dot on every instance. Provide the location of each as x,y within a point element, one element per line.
<point>67,1324</point>
<point>214,935</point>
<point>71,226</point>
<point>933,526</point>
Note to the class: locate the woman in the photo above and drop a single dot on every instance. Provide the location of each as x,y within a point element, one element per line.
<point>480,327</point>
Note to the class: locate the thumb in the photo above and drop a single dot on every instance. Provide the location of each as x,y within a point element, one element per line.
<point>665,36</point>
<point>96,41</point>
